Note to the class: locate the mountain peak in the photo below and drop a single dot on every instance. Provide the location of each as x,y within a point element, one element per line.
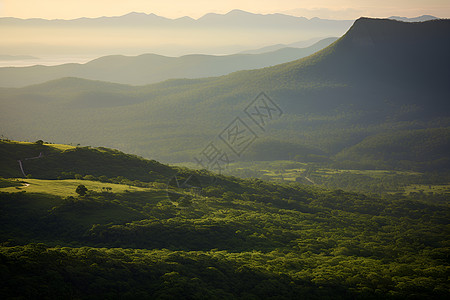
<point>140,16</point>
<point>239,12</point>
<point>369,31</point>
<point>390,51</point>
<point>135,13</point>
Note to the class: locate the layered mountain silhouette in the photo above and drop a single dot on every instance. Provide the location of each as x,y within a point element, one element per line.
<point>215,34</point>
<point>151,68</point>
<point>235,18</point>
<point>383,82</point>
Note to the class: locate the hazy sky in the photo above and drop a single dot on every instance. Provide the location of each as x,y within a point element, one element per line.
<point>342,9</point>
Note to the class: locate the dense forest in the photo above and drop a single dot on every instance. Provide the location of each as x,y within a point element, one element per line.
<point>219,238</point>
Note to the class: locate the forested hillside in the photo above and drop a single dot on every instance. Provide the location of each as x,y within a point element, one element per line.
<point>48,161</point>
<point>222,238</point>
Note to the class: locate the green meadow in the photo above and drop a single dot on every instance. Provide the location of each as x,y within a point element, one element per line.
<point>64,188</point>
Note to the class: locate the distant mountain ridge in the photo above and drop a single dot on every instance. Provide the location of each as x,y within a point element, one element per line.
<point>381,79</point>
<point>136,33</point>
<point>151,68</point>
<point>233,32</point>
<point>233,19</point>
<point>140,18</point>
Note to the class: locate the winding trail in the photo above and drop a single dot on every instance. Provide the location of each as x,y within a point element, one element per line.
<point>21,164</point>
<point>21,168</point>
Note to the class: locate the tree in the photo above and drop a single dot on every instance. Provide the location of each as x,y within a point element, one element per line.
<point>90,177</point>
<point>81,190</point>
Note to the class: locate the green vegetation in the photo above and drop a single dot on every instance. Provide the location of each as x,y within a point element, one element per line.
<point>65,187</point>
<point>403,150</point>
<point>427,188</point>
<point>59,162</point>
<point>364,181</point>
<point>81,190</point>
<point>233,239</point>
<point>9,183</point>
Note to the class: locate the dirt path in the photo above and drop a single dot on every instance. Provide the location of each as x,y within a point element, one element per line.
<point>310,180</point>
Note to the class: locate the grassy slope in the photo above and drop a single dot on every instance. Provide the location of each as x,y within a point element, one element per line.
<point>65,188</point>
<point>60,161</point>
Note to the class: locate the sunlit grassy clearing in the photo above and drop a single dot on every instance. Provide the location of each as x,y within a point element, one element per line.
<point>61,147</point>
<point>67,187</point>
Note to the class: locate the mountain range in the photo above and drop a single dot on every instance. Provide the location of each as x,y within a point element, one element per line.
<point>235,18</point>
<point>137,33</point>
<point>380,90</point>
<point>151,68</point>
